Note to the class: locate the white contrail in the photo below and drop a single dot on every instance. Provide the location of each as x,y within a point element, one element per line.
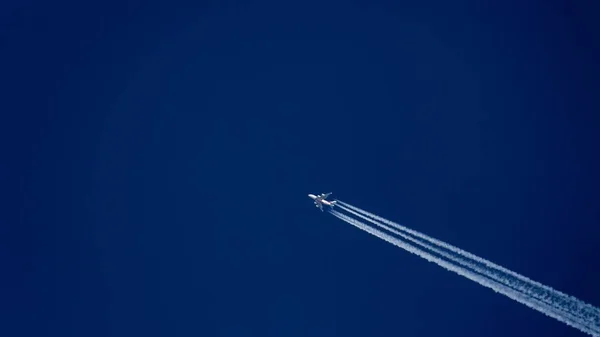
<point>466,263</point>
<point>480,279</point>
<point>535,289</point>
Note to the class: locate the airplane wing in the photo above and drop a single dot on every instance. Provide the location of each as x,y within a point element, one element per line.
<point>320,205</point>
<point>325,195</point>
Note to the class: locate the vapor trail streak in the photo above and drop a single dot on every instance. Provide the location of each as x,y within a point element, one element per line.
<point>484,281</point>
<point>467,263</point>
<point>532,288</point>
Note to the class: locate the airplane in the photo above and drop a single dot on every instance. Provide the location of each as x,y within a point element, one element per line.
<point>320,200</point>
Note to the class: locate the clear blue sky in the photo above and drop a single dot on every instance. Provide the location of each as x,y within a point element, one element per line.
<point>157,156</point>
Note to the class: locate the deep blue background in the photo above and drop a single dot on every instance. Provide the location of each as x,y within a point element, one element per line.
<point>156,158</point>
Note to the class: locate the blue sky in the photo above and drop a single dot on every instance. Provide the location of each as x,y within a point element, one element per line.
<point>158,156</point>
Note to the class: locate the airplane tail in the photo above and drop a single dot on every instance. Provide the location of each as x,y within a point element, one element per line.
<point>333,203</point>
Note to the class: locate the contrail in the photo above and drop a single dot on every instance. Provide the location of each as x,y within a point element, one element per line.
<point>468,264</point>
<point>535,289</point>
<point>480,279</point>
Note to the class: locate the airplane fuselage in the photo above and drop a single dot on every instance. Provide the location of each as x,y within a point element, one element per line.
<point>317,200</point>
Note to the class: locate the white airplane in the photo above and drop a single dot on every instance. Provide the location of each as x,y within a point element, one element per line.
<point>320,200</point>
